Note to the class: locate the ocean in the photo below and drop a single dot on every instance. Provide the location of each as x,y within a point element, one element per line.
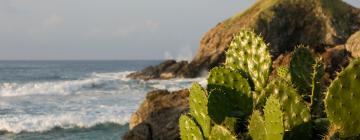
<point>72,100</point>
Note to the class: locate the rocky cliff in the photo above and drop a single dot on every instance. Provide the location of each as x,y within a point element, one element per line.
<point>324,25</point>
<point>321,24</point>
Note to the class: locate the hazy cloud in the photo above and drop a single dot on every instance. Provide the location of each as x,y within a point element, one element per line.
<point>145,26</point>
<point>53,20</point>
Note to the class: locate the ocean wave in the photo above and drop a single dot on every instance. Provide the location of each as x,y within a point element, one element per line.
<point>96,81</point>
<point>95,99</point>
<point>41,123</point>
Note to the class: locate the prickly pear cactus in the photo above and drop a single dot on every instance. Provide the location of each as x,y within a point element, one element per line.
<point>219,132</point>
<point>273,119</point>
<point>224,103</point>
<point>301,67</point>
<point>188,129</point>
<point>230,124</point>
<point>220,77</point>
<point>198,108</point>
<point>316,91</point>
<point>257,129</point>
<point>295,111</point>
<point>342,100</point>
<point>272,128</point>
<point>248,52</point>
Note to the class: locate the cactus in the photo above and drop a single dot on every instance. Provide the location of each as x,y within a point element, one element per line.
<point>273,119</point>
<point>316,91</point>
<point>198,108</point>
<point>295,112</point>
<point>283,73</point>
<point>230,124</point>
<point>220,77</point>
<point>224,103</point>
<point>248,52</point>
<point>257,126</point>
<point>272,128</point>
<point>301,68</point>
<point>188,129</point>
<point>342,101</point>
<point>219,132</point>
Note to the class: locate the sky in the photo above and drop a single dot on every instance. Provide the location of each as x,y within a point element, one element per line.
<point>110,29</point>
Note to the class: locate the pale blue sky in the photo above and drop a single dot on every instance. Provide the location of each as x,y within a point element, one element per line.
<point>109,29</point>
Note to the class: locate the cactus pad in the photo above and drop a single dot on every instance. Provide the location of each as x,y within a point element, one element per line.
<point>316,91</point>
<point>219,132</point>
<point>295,111</point>
<point>342,100</point>
<point>248,52</point>
<point>224,103</point>
<point>273,119</point>
<point>222,77</point>
<point>301,68</point>
<point>198,107</point>
<point>257,126</point>
<point>188,129</point>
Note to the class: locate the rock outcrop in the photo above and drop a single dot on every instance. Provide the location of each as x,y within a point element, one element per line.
<point>353,45</point>
<point>157,117</point>
<point>324,25</point>
<point>284,24</point>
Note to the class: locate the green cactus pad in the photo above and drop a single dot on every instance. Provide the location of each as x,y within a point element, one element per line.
<point>220,77</point>
<point>316,91</point>
<point>273,119</point>
<point>219,132</point>
<point>224,103</point>
<point>295,111</point>
<point>230,124</point>
<point>198,108</point>
<point>257,126</point>
<point>188,129</point>
<point>342,100</point>
<point>248,52</point>
<point>301,68</point>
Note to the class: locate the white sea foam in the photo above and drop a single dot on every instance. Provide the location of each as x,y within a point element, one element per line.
<point>97,98</point>
<point>84,119</point>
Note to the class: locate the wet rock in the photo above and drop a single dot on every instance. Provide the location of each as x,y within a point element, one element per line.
<point>157,117</point>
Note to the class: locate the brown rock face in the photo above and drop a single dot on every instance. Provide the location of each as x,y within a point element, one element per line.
<point>284,24</point>
<point>157,117</point>
<point>353,45</point>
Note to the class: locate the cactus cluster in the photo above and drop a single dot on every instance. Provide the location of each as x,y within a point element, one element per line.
<point>240,102</point>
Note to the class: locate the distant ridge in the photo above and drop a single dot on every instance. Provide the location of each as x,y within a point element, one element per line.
<point>284,24</point>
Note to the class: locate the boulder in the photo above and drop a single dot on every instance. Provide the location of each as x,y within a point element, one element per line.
<point>166,70</point>
<point>353,45</point>
<point>283,23</point>
<point>157,117</point>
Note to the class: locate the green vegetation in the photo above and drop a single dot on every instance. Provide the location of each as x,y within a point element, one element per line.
<point>241,103</point>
